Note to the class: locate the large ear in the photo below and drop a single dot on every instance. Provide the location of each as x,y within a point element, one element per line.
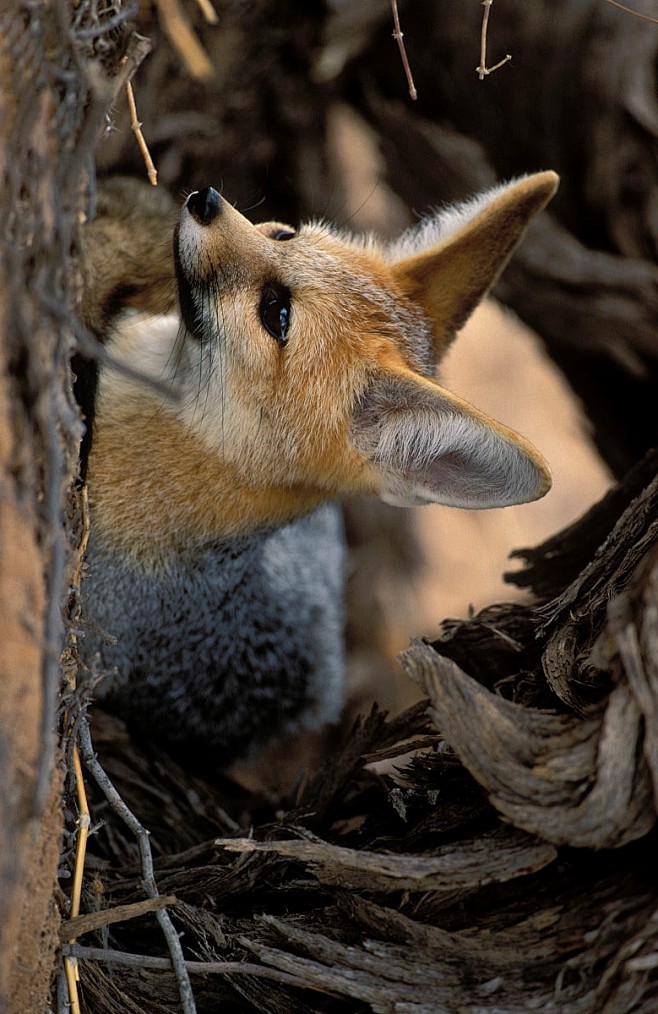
<point>428,446</point>
<point>450,277</point>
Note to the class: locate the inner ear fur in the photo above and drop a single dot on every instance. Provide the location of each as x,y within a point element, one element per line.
<point>450,278</point>
<point>429,446</point>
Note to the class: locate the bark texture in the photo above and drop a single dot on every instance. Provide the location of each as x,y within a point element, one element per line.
<point>51,108</point>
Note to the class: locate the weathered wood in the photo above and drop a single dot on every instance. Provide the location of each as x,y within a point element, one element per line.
<point>492,858</point>
<point>54,94</point>
<point>573,781</point>
<point>585,777</point>
<point>81,924</point>
<point>41,119</point>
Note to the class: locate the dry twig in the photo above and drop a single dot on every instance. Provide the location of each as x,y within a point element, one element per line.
<point>151,171</point>
<point>637,14</point>
<point>131,960</point>
<point>398,35</point>
<point>71,971</point>
<point>70,966</point>
<point>184,40</point>
<point>208,11</point>
<point>482,70</point>
<point>79,924</point>
<point>148,876</point>
<point>92,349</point>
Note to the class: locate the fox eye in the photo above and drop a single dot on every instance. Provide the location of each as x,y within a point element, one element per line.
<point>274,310</point>
<point>282,234</point>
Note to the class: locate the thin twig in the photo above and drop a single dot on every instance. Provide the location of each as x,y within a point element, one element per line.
<point>184,40</point>
<point>63,999</point>
<point>90,347</point>
<point>139,48</point>
<point>148,876</point>
<point>70,964</point>
<point>208,11</point>
<point>90,921</point>
<point>637,14</point>
<point>79,952</point>
<point>84,824</point>
<point>107,26</point>
<point>71,972</point>
<point>398,35</point>
<point>151,171</point>
<point>483,71</point>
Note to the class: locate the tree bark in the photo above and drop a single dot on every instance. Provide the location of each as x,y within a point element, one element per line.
<point>51,115</point>
<point>22,608</point>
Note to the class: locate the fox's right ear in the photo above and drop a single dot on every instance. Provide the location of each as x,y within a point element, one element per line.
<point>449,262</point>
<point>428,446</point>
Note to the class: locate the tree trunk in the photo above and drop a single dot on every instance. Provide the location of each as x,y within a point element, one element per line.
<point>49,122</point>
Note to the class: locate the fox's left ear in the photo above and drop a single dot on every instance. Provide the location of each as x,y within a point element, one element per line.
<point>426,445</point>
<point>451,277</point>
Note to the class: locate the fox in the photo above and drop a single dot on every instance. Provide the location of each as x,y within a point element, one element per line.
<point>254,376</point>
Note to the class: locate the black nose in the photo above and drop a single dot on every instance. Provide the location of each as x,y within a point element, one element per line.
<point>204,205</point>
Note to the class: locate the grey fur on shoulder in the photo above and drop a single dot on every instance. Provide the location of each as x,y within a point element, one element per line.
<point>227,650</point>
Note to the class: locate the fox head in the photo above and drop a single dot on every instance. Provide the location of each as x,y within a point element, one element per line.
<point>302,367</point>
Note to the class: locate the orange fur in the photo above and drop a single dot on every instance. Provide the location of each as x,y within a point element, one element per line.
<point>205,496</point>
<point>258,434</point>
<point>449,281</point>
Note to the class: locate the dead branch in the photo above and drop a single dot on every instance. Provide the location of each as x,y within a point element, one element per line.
<point>76,926</point>
<point>146,858</point>
<point>208,11</point>
<point>70,970</point>
<point>482,70</point>
<point>489,859</point>
<point>184,40</point>
<point>629,10</point>
<point>151,171</point>
<point>113,957</point>
<point>398,35</point>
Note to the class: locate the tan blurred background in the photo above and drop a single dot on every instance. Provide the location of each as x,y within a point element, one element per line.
<point>498,365</point>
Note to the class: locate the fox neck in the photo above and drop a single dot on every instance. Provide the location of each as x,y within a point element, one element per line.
<point>160,492</point>
<point>157,490</point>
